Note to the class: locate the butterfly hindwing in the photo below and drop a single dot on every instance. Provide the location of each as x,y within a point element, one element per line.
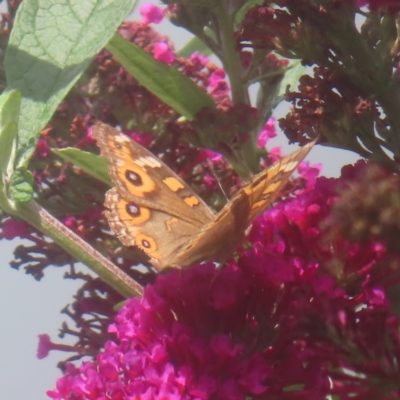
<point>158,234</point>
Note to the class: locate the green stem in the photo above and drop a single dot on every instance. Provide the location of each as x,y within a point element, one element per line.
<point>230,56</point>
<point>245,158</point>
<point>74,245</point>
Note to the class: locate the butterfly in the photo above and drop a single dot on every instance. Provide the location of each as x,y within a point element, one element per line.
<point>152,208</point>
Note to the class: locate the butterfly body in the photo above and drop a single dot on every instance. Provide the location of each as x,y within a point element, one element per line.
<point>152,208</point>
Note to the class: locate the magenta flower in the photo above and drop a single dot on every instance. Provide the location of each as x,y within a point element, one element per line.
<point>275,154</point>
<point>210,181</point>
<point>151,14</point>
<point>42,148</point>
<point>309,172</point>
<point>88,139</point>
<point>69,221</point>
<point>46,345</point>
<point>267,133</point>
<point>212,155</point>
<point>217,84</point>
<point>274,323</point>
<point>163,54</point>
<point>198,60</point>
<point>145,139</point>
<point>13,228</point>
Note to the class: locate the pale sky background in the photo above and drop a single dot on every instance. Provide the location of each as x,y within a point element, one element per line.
<point>30,308</point>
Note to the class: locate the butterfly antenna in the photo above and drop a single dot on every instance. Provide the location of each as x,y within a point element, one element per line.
<point>212,170</point>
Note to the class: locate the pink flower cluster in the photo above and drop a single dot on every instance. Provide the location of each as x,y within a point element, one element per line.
<point>267,133</point>
<point>295,317</point>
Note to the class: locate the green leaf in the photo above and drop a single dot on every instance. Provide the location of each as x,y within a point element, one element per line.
<point>7,147</point>
<point>51,44</point>
<point>92,164</point>
<point>168,84</point>
<point>10,104</point>
<point>292,76</point>
<point>20,187</point>
<point>9,111</point>
<point>193,45</point>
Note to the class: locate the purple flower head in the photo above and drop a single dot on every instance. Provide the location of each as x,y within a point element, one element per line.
<point>273,319</point>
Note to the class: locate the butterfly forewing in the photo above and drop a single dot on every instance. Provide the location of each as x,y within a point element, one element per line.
<point>145,180</point>
<point>230,224</point>
<point>266,186</point>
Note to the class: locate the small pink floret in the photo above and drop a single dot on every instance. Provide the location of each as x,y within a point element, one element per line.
<point>151,14</point>
<point>163,54</point>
